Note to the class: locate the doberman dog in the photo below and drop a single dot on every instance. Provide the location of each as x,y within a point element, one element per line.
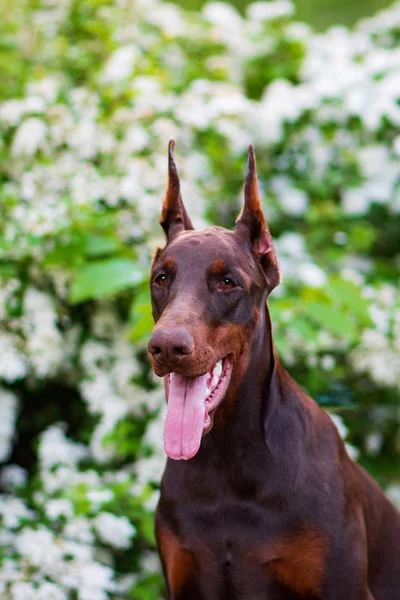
<point>266,504</point>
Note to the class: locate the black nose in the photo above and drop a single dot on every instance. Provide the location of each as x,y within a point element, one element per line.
<point>169,346</point>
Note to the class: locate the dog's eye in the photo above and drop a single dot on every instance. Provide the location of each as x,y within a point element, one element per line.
<point>160,279</point>
<point>226,283</point>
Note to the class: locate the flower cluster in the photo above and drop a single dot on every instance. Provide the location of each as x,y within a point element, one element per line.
<point>93,91</point>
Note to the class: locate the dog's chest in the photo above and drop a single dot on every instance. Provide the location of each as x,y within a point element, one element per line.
<point>248,546</point>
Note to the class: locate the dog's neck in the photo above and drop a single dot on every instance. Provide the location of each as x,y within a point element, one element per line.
<point>248,396</point>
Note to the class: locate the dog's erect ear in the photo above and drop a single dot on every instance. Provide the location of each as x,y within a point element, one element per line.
<point>252,226</point>
<point>174,217</point>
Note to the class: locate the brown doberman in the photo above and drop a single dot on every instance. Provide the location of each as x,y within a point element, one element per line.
<point>266,504</point>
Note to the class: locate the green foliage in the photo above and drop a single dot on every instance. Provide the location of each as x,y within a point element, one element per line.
<point>103,278</point>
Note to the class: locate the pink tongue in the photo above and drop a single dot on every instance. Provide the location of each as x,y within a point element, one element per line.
<point>185,415</point>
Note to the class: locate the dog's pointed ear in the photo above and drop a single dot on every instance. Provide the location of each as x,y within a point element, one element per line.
<point>174,217</point>
<point>251,224</point>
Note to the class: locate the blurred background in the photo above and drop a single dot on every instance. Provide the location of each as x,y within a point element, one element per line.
<point>92,90</point>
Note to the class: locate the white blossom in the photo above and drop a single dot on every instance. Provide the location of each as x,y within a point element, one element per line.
<point>119,66</point>
<point>113,530</point>
<point>55,448</point>
<point>266,11</point>
<point>13,476</point>
<point>30,137</point>
<point>12,510</point>
<point>13,363</point>
<point>99,497</point>
<point>373,442</point>
<point>79,529</point>
<point>59,507</point>
<point>393,493</point>
<point>44,341</point>
<point>8,417</point>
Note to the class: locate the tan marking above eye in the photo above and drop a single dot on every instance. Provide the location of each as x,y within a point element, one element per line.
<point>169,262</point>
<point>218,266</point>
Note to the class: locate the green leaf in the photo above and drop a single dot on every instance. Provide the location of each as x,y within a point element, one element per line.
<point>304,329</point>
<point>104,278</point>
<point>346,293</point>
<point>331,318</point>
<point>98,245</point>
<point>141,316</point>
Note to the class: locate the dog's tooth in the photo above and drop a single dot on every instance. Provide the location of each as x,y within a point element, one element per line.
<point>207,391</point>
<point>217,369</point>
<point>214,381</point>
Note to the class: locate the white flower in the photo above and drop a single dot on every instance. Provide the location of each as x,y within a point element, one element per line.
<point>84,138</point>
<point>150,562</point>
<point>136,139</point>
<point>380,317</point>
<point>113,530</point>
<point>12,111</point>
<point>13,476</point>
<point>292,245</point>
<point>340,426</point>
<point>396,145</point>
<point>387,295</point>
<point>59,507</point>
<point>50,591</point>
<point>234,132</point>
<point>355,201</point>
<point>45,591</point>
<point>378,358</point>
<point>169,19</point>
<point>373,442</point>
<point>150,468</point>
<point>55,448</point>
<point>23,591</point>
<point>120,64</point>
<point>46,88</point>
<point>267,11</point>
<point>8,417</point>
<point>293,200</point>
<point>393,493</point>
<point>79,529</point>
<point>12,510</point>
<point>311,274</point>
<point>95,581</point>
<point>30,137</point>
<point>352,451</point>
<point>227,25</point>
<point>99,497</point>
<point>340,238</point>
<point>282,102</point>
<point>328,362</point>
<point>13,363</point>
<point>44,341</point>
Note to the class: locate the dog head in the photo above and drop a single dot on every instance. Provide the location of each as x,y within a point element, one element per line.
<point>208,291</point>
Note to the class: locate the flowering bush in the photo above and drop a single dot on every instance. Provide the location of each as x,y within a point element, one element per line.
<point>92,92</point>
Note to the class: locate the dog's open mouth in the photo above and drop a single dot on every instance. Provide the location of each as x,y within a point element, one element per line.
<point>192,402</point>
